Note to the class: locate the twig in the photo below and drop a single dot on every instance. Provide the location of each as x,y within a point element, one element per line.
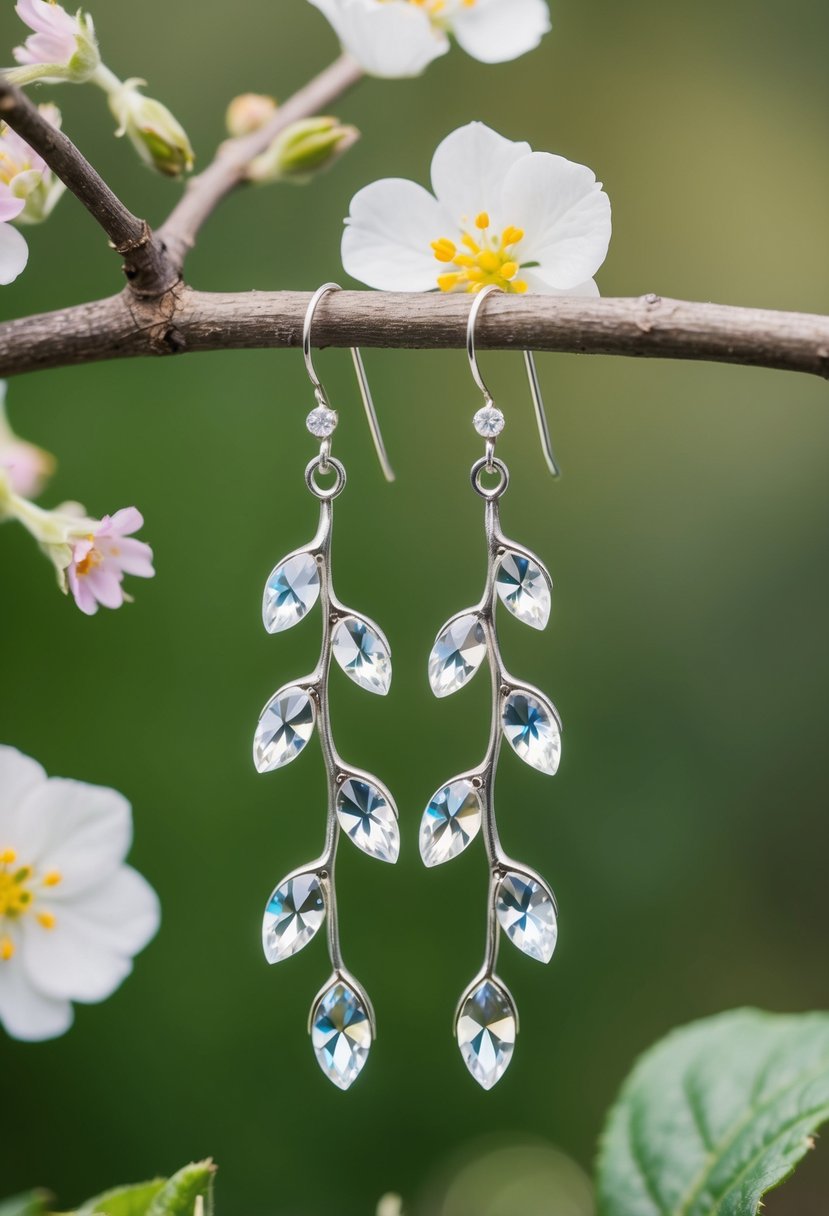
<point>145,265</point>
<point>227,170</point>
<point>185,320</point>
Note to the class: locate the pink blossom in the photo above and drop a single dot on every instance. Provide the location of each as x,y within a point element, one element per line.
<point>27,466</point>
<point>55,37</point>
<point>101,559</point>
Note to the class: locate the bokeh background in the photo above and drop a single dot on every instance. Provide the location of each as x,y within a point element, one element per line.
<point>686,833</point>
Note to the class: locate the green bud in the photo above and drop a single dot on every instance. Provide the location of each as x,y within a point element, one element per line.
<point>249,112</point>
<point>303,149</point>
<point>158,137</point>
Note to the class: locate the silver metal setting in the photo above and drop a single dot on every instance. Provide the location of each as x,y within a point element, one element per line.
<point>325,477</point>
<point>503,685</point>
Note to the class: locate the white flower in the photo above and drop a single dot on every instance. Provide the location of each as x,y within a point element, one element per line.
<point>500,214</point>
<point>72,915</point>
<point>394,38</point>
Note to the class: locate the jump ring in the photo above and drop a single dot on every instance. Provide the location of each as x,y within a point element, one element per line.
<point>482,466</point>
<point>316,466</point>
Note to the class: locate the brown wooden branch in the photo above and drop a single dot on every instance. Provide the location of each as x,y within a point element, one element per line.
<point>228,168</point>
<point>185,320</point>
<point>145,264</point>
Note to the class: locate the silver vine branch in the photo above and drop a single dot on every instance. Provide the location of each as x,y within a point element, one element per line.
<point>184,320</point>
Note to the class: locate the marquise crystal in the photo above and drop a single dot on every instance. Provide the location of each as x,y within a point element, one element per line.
<point>450,822</point>
<point>457,654</point>
<point>291,591</point>
<point>532,731</point>
<point>367,817</point>
<point>340,1034</point>
<point>362,653</point>
<point>486,1032</point>
<point>524,587</point>
<point>285,726</point>
<point>527,915</point>
<point>294,913</point>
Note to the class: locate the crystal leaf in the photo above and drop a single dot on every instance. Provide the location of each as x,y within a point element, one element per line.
<point>362,653</point>
<point>292,590</point>
<point>450,822</point>
<point>368,818</point>
<point>525,587</point>
<point>340,1034</point>
<point>285,726</point>
<point>294,913</point>
<point>456,655</point>
<point>527,915</point>
<point>486,1032</point>
<point>532,731</point>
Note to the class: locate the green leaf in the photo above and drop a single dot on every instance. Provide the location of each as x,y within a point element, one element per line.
<point>122,1200</point>
<point>716,1115</point>
<point>31,1204</point>
<point>178,1196</point>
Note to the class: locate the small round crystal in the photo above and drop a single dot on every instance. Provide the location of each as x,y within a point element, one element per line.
<point>322,422</point>
<point>489,421</point>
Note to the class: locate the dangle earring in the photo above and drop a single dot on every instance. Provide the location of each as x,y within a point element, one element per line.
<point>342,1023</point>
<point>519,902</point>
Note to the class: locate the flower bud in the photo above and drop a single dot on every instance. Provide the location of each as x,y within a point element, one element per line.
<point>302,149</point>
<point>248,112</point>
<point>158,137</point>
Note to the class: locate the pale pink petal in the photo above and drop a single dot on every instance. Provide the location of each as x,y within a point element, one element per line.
<point>133,556</point>
<point>104,582</point>
<point>124,522</point>
<point>81,592</point>
<point>82,831</point>
<point>10,204</point>
<point>26,1013</point>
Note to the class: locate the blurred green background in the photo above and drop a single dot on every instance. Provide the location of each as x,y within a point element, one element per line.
<point>686,833</point>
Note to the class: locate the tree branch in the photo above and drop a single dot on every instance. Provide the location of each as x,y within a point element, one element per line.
<point>186,321</point>
<point>227,169</point>
<point>145,264</point>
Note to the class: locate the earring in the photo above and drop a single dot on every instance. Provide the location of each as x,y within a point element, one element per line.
<point>519,902</point>
<point>342,1023</point>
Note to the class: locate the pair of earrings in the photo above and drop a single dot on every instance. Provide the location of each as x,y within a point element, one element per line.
<point>342,1023</point>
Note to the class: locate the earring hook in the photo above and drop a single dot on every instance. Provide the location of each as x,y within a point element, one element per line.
<point>362,379</point>
<point>532,378</point>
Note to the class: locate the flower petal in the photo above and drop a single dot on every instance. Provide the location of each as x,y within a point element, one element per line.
<point>134,557</point>
<point>88,952</point>
<point>565,214</point>
<point>64,963</point>
<point>26,1013</point>
<point>393,39</point>
<point>125,521</point>
<point>494,31</point>
<point>82,831</point>
<point>14,253</point>
<point>19,775</point>
<point>468,171</point>
<point>10,204</point>
<point>105,584</point>
<point>538,286</point>
<point>388,235</point>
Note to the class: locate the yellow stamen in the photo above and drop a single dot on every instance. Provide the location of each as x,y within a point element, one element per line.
<point>52,878</point>
<point>46,920</point>
<point>490,258</point>
<point>6,949</point>
<point>444,250</point>
<point>8,857</point>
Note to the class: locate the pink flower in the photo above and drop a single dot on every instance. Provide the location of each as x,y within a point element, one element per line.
<point>55,37</point>
<point>101,559</point>
<point>26,466</point>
